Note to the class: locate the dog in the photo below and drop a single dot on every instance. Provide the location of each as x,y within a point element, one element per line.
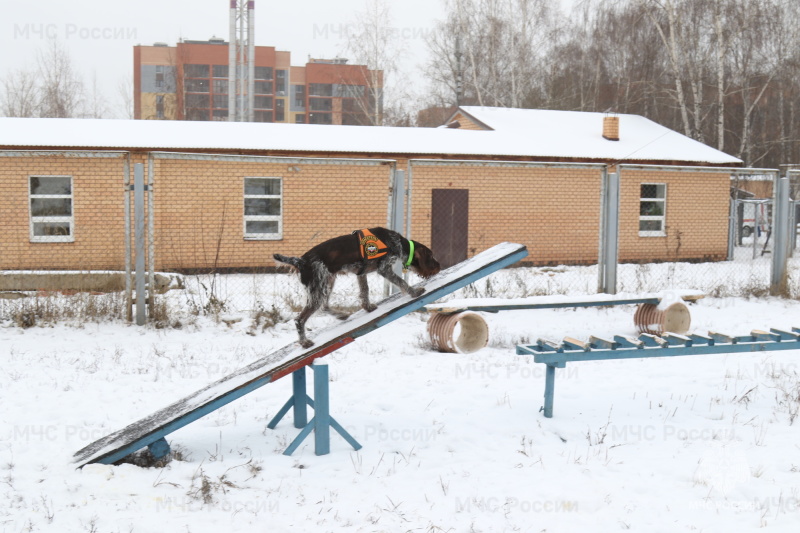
<point>362,252</point>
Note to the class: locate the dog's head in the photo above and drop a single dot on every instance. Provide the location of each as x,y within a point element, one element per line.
<point>423,263</point>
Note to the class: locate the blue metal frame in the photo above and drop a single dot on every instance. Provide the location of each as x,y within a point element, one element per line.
<point>323,421</point>
<point>557,355</point>
<point>117,445</point>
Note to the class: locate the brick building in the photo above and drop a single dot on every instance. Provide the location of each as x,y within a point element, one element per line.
<point>189,81</point>
<point>229,195</point>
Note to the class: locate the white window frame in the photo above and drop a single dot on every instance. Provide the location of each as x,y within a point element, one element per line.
<point>70,219</point>
<point>262,218</point>
<point>661,218</point>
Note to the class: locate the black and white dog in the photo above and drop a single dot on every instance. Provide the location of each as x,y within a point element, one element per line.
<point>362,252</point>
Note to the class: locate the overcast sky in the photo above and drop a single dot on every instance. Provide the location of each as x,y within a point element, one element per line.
<point>100,35</point>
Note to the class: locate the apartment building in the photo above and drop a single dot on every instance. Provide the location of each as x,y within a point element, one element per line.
<point>190,81</point>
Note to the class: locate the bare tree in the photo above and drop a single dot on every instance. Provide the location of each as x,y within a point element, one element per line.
<point>61,88</point>
<point>373,40</point>
<point>20,96</point>
<point>125,94</point>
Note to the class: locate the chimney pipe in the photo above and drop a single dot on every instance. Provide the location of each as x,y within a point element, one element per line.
<point>611,128</point>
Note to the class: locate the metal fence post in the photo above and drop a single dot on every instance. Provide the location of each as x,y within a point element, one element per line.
<point>139,236</point>
<point>396,212</point>
<point>780,246</point>
<point>609,233</point>
<point>127,214</point>
<point>151,241</point>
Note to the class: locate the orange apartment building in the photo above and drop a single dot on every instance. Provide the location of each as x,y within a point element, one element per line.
<point>189,81</point>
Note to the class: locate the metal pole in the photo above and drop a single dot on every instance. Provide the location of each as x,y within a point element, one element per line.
<point>322,412</point>
<point>251,59</point>
<point>609,234</point>
<point>232,62</point>
<point>780,244</point>
<point>138,213</point>
<point>127,207</point>
<point>731,230</point>
<point>151,241</point>
<point>395,221</point>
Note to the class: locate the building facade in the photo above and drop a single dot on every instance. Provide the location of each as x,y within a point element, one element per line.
<point>226,196</point>
<point>189,81</point>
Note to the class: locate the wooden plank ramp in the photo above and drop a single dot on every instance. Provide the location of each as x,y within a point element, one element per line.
<point>151,430</point>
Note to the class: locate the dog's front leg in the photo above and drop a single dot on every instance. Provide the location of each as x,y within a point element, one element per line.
<point>389,274</point>
<point>363,294</point>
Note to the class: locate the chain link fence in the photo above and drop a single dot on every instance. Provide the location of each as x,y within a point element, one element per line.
<point>679,228</point>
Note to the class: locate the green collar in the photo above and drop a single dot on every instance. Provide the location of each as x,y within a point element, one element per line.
<point>410,254</point>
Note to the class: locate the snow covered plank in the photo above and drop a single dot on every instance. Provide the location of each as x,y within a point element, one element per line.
<point>286,360</point>
<point>494,305</point>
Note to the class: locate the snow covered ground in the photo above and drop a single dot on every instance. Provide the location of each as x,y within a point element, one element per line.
<point>450,442</point>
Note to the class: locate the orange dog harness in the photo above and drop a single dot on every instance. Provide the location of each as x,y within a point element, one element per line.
<point>371,246</point>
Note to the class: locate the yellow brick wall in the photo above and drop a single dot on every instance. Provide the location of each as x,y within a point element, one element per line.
<point>200,208</point>
<point>696,217</point>
<point>199,211</point>
<point>98,205</point>
<point>554,212</point>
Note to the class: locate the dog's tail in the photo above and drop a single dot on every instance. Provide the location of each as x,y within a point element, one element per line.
<point>296,262</point>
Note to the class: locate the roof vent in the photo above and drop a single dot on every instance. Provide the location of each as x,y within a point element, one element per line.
<point>611,128</point>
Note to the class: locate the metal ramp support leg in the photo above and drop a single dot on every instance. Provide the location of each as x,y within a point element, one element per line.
<point>298,402</point>
<point>159,448</point>
<point>322,422</point>
<point>549,391</point>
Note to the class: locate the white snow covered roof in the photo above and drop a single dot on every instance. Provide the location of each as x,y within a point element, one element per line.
<point>516,133</point>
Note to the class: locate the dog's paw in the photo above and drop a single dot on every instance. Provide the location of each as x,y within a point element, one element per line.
<point>370,308</point>
<point>306,343</point>
<point>416,291</point>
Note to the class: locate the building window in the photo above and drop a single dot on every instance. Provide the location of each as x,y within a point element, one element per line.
<point>197,86</point>
<point>195,71</point>
<point>220,71</point>
<point>219,115</point>
<point>350,91</point>
<point>299,96</point>
<point>320,118</point>
<point>320,104</point>
<point>159,76</point>
<point>262,116</point>
<point>320,89</point>
<point>220,101</point>
<point>51,209</point>
<point>300,118</point>
<point>262,73</point>
<point>221,86</point>
<point>263,208</point>
<point>262,102</point>
<point>159,106</point>
<point>262,87</point>
<point>280,105</point>
<point>196,101</point>
<point>652,209</point>
<point>280,82</point>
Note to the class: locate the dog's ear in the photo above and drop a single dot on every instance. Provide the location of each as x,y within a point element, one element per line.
<point>426,264</point>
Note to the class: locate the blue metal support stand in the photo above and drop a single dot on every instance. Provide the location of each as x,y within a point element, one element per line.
<point>322,422</point>
<point>159,449</point>
<point>558,354</point>
<point>298,402</point>
<point>549,390</point>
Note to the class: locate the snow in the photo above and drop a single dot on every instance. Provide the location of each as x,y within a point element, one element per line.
<point>451,442</point>
<point>517,132</point>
